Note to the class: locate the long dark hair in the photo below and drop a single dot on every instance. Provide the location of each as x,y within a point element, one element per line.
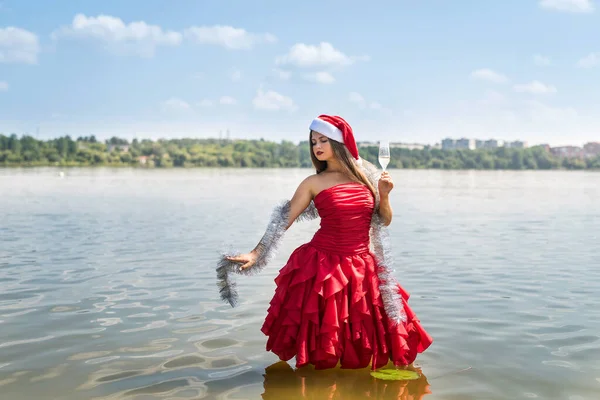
<point>341,152</point>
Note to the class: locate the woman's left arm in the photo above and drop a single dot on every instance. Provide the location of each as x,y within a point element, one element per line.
<point>385,186</point>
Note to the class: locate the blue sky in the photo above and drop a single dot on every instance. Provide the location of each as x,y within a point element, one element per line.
<point>399,70</point>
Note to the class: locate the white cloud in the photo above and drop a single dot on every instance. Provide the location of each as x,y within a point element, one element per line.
<point>3,86</point>
<point>535,87</point>
<point>137,37</point>
<point>541,60</point>
<point>589,61</point>
<point>227,36</point>
<point>272,101</point>
<point>322,55</point>
<point>539,112</point>
<point>18,46</point>
<point>489,75</point>
<point>236,75</point>
<point>320,77</point>
<point>362,103</point>
<point>282,74</point>
<point>175,104</point>
<point>205,103</point>
<point>493,98</point>
<point>357,99</point>
<point>574,6</point>
<point>227,101</point>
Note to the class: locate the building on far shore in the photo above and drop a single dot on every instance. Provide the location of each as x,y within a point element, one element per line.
<point>567,151</point>
<point>472,144</point>
<point>409,146</point>
<point>448,144</point>
<point>517,144</point>
<point>493,143</point>
<point>367,144</point>
<point>465,143</point>
<point>119,147</point>
<point>591,149</point>
<point>398,145</point>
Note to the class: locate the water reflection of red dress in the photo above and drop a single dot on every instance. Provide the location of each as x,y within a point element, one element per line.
<point>327,307</point>
<point>281,382</point>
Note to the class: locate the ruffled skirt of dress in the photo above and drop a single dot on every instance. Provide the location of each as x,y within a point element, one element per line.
<point>327,309</point>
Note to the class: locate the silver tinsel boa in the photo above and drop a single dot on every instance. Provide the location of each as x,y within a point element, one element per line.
<point>267,248</point>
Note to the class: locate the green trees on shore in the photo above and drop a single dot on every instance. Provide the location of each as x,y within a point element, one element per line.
<point>88,151</point>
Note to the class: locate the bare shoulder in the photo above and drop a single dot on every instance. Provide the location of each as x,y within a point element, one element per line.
<point>310,184</point>
<point>312,179</point>
<point>315,183</point>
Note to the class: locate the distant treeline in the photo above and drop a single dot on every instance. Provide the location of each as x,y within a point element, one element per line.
<point>88,151</point>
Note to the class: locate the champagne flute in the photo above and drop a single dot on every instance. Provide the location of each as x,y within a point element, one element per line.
<point>384,154</point>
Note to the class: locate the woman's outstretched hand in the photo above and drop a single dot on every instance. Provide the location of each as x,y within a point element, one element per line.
<point>247,260</point>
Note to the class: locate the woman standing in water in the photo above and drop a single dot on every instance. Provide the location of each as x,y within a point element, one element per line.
<point>336,301</point>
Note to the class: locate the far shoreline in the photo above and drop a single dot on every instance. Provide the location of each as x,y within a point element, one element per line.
<point>188,168</point>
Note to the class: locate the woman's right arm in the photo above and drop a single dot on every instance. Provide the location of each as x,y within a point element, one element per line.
<point>301,199</point>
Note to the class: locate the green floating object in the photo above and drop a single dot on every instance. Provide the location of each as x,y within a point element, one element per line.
<point>395,374</point>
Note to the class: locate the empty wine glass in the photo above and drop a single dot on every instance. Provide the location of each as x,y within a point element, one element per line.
<point>384,154</point>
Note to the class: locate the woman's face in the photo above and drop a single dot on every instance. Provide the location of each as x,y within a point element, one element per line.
<point>321,146</point>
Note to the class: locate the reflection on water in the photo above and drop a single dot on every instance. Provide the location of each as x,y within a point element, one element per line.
<point>107,286</point>
<point>283,382</point>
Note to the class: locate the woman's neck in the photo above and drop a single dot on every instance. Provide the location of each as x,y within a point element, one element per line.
<point>334,166</point>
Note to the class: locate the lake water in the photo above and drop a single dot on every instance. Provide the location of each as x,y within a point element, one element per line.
<point>107,285</point>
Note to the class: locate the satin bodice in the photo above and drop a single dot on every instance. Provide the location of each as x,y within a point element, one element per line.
<point>346,210</point>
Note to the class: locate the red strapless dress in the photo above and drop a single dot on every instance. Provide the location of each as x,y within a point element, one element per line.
<point>327,308</point>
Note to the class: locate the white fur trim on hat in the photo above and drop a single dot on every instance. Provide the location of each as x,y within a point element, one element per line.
<point>327,129</point>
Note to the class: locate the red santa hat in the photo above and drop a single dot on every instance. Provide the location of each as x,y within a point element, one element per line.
<point>338,129</point>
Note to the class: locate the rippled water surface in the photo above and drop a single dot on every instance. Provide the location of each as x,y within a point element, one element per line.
<point>107,285</point>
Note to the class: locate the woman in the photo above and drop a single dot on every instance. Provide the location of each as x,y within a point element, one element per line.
<point>335,300</point>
